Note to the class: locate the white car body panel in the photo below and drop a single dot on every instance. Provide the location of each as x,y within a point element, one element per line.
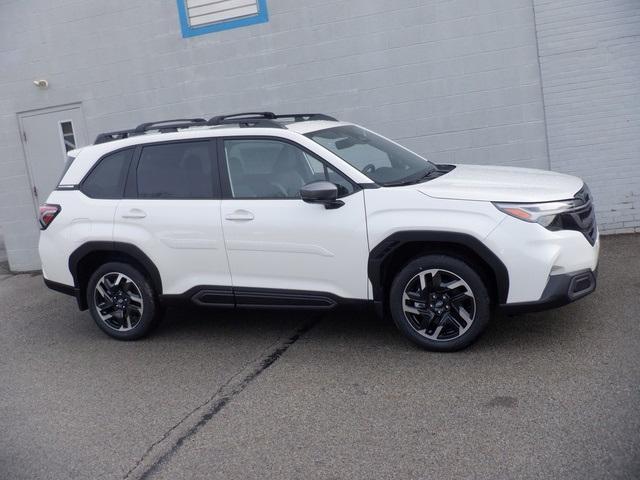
<point>502,184</point>
<point>183,238</point>
<point>394,209</point>
<point>532,253</point>
<point>290,244</point>
<point>82,220</point>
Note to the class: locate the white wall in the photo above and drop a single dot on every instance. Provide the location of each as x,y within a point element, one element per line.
<point>3,251</point>
<point>590,59</point>
<point>456,80</point>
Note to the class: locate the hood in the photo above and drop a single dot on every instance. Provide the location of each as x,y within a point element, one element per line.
<point>502,184</point>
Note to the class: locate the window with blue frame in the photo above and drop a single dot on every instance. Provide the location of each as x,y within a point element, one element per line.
<point>205,16</point>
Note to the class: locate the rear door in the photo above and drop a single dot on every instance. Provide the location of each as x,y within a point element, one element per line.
<point>171,211</point>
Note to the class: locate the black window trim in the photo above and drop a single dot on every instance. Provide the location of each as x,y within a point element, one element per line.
<point>81,184</point>
<point>131,186</point>
<point>225,180</point>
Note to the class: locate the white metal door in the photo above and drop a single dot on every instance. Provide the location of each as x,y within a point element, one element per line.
<point>47,136</point>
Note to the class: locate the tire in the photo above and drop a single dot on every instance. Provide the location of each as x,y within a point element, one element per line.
<point>122,301</point>
<point>439,302</point>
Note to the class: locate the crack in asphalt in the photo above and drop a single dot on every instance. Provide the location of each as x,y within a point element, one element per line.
<point>164,448</point>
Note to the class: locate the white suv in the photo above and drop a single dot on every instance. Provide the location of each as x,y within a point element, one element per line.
<point>304,211</point>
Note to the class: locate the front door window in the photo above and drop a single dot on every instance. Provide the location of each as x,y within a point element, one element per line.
<point>271,169</point>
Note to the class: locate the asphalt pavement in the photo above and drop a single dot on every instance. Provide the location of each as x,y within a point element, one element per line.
<point>254,394</point>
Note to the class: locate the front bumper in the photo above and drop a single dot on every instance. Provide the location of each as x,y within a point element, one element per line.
<point>533,254</point>
<point>560,290</point>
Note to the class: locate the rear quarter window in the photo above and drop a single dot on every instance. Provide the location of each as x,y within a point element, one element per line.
<point>67,164</point>
<point>107,178</point>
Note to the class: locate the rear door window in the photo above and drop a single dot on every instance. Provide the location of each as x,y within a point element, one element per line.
<point>177,170</point>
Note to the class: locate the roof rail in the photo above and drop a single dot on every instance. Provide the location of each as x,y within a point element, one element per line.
<point>305,117</point>
<point>247,119</point>
<point>162,126</point>
<point>109,136</point>
<point>173,124</point>
<point>265,119</point>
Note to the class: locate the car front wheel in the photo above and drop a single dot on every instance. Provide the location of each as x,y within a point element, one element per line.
<point>439,302</point>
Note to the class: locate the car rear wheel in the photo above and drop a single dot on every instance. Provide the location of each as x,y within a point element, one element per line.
<point>439,302</point>
<point>122,301</point>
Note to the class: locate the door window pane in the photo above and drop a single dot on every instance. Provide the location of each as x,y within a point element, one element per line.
<point>274,169</point>
<point>107,179</point>
<point>68,138</point>
<point>176,170</point>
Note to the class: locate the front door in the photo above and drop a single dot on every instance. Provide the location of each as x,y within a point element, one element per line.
<point>276,243</point>
<point>47,136</point>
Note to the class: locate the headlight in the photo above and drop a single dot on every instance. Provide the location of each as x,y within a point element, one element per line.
<point>542,213</point>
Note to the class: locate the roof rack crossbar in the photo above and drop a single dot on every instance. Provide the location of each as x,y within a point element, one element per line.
<point>303,117</point>
<point>247,119</point>
<point>109,136</point>
<point>173,124</point>
<point>162,126</point>
<point>265,119</point>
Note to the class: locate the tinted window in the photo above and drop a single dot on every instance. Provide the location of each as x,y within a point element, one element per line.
<point>274,169</point>
<point>176,170</point>
<point>107,179</point>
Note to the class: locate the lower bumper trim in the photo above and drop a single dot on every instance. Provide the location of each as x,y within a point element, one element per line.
<point>66,289</point>
<point>560,290</point>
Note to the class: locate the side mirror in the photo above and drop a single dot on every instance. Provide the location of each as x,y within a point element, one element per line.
<point>322,192</point>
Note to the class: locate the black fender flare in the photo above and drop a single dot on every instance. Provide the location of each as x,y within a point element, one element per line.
<point>387,247</point>
<point>113,247</point>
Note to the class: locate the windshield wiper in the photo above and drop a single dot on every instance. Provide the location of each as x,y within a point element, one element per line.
<point>431,174</point>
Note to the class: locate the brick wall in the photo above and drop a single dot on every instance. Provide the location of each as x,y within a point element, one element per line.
<point>590,63</point>
<point>3,251</point>
<point>456,80</point>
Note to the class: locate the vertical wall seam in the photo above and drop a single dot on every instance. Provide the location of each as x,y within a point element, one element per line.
<point>544,105</point>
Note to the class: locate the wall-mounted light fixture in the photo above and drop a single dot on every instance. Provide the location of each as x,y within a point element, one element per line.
<point>41,84</point>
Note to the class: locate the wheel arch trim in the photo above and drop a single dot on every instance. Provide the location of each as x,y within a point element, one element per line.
<point>128,249</point>
<point>385,249</point>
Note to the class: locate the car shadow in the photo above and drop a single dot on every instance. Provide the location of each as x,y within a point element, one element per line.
<point>205,322</point>
<point>364,328</point>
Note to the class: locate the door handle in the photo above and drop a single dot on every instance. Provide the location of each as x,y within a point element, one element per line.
<point>240,215</point>
<point>134,213</point>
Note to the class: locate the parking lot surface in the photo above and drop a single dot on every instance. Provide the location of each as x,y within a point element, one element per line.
<point>254,394</point>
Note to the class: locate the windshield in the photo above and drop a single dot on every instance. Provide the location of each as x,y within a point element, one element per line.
<point>383,161</point>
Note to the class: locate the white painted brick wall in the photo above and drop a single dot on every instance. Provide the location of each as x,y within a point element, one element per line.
<point>457,80</point>
<point>3,251</point>
<point>590,63</point>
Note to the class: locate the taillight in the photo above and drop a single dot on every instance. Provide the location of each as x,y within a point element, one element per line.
<point>47,213</point>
